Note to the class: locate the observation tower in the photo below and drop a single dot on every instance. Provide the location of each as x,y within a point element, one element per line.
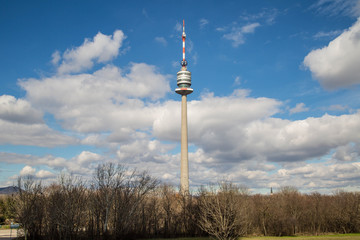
<point>184,88</point>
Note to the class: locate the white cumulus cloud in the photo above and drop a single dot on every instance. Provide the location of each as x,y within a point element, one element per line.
<point>18,111</point>
<point>107,99</point>
<point>27,170</point>
<point>44,174</point>
<point>337,65</point>
<point>32,135</point>
<point>239,128</point>
<point>100,49</point>
<point>87,157</point>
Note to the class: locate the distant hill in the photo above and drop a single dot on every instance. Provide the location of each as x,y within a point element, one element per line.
<point>9,190</point>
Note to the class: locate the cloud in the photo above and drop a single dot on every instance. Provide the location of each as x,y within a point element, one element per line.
<point>161,40</point>
<point>323,175</point>
<point>178,27</point>
<point>14,158</point>
<point>144,12</point>
<point>283,140</point>
<point>102,48</point>
<point>337,107</point>
<point>347,153</point>
<point>237,34</point>
<point>107,99</point>
<point>237,80</point>
<point>267,15</point>
<point>41,174</point>
<point>337,65</point>
<point>190,46</point>
<point>235,137</point>
<point>300,107</point>
<point>55,58</point>
<point>86,157</point>
<point>330,34</point>
<point>250,28</point>
<point>337,7</point>
<point>44,174</point>
<point>18,111</point>
<point>122,111</point>
<point>195,58</point>
<point>21,124</point>
<point>27,170</point>
<point>239,128</point>
<point>38,134</point>
<point>327,175</point>
<point>203,23</point>
<point>190,49</point>
<point>151,150</point>
<point>217,124</point>
<point>82,164</point>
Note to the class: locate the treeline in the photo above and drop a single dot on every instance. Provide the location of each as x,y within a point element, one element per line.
<point>124,204</point>
<point>117,204</point>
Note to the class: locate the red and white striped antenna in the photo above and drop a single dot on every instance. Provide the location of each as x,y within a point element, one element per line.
<point>183,62</point>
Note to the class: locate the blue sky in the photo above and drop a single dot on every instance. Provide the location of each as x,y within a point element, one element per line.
<point>275,101</point>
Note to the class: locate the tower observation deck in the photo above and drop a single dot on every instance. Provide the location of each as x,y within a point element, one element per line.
<point>184,88</point>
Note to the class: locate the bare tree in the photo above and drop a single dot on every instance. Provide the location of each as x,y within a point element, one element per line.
<point>66,208</point>
<point>221,211</point>
<point>149,216</point>
<point>168,204</point>
<point>345,212</point>
<point>107,180</point>
<point>29,206</point>
<point>128,199</point>
<point>262,212</point>
<point>292,208</point>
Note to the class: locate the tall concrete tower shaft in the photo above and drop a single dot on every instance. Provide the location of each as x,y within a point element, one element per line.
<point>184,88</point>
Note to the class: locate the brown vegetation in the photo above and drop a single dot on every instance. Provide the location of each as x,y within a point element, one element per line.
<point>123,204</point>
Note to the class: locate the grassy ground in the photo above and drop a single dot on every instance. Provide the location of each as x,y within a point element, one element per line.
<point>199,238</point>
<point>355,236</point>
<point>324,237</point>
